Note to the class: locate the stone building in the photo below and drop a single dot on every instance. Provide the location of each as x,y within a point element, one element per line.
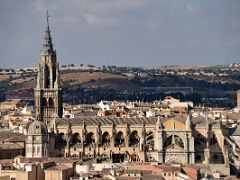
<point>127,139</point>
<point>175,140</point>
<point>164,140</point>
<point>11,144</point>
<point>37,140</point>
<point>179,139</point>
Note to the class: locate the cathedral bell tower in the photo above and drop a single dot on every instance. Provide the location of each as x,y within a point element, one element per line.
<point>48,93</point>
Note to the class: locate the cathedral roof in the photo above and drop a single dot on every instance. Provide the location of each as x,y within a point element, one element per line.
<point>37,127</point>
<point>200,122</point>
<point>108,120</point>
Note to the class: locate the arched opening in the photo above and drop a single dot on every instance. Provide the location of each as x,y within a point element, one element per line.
<point>61,142</point>
<point>174,140</point>
<point>90,140</point>
<point>76,139</point>
<point>54,75</point>
<point>217,158</point>
<point>198,158</point>
<point>119,139</point>
<point>50,102</point>
<point>213,139</point>
<point>44,102</point>
<point>149,139</point>
<point>106,139</point>
<point>199,141</point>
<point>47,76</point>
<point>134,139</point>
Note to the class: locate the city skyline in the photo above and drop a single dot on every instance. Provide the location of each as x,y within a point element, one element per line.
<point>122,33</point>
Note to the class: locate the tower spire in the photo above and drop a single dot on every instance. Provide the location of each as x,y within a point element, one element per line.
<point>47,45</point>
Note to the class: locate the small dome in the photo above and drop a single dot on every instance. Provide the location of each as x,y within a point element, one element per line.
<point>37,127</point>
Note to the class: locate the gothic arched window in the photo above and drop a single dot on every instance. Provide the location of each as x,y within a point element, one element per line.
<point>119,139</point>
<point>44,102</point>
<point>134,139</point>
<point>51,102</point>
<point>106,139</point>
<point>47,76</point>
<point>90,138</point>
<point>76,138</point>
<point>174,139</point>
<point>149,140</point>
<point>213,139</point>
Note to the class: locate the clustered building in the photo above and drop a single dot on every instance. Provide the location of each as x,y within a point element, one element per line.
<point>161,140</point>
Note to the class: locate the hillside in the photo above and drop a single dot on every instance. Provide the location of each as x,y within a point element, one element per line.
<point>73,79</point>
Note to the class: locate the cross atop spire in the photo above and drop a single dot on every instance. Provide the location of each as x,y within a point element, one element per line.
<point>48,18</point>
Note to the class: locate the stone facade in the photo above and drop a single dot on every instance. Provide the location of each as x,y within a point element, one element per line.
<point>183,140</point>
<point>37,140</point>
<point>179,139</point>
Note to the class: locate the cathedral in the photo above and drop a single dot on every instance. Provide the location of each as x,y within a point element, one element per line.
<point>178,139</point>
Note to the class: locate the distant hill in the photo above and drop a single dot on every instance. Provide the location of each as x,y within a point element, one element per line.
<point>74,79</point>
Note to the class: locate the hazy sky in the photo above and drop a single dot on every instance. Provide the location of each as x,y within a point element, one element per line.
<point>122,32</point>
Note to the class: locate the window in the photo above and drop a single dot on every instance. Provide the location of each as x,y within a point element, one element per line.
<point>215,157</point>
<point>37,127</point>
<point>198,157</point>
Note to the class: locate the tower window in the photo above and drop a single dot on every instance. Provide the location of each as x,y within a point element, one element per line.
<point>50,102</point>
<point>37,127</point>
<point>44,102</point>
<point>47,76</point>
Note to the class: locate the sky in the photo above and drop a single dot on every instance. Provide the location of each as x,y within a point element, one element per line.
<point>121,32</point>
